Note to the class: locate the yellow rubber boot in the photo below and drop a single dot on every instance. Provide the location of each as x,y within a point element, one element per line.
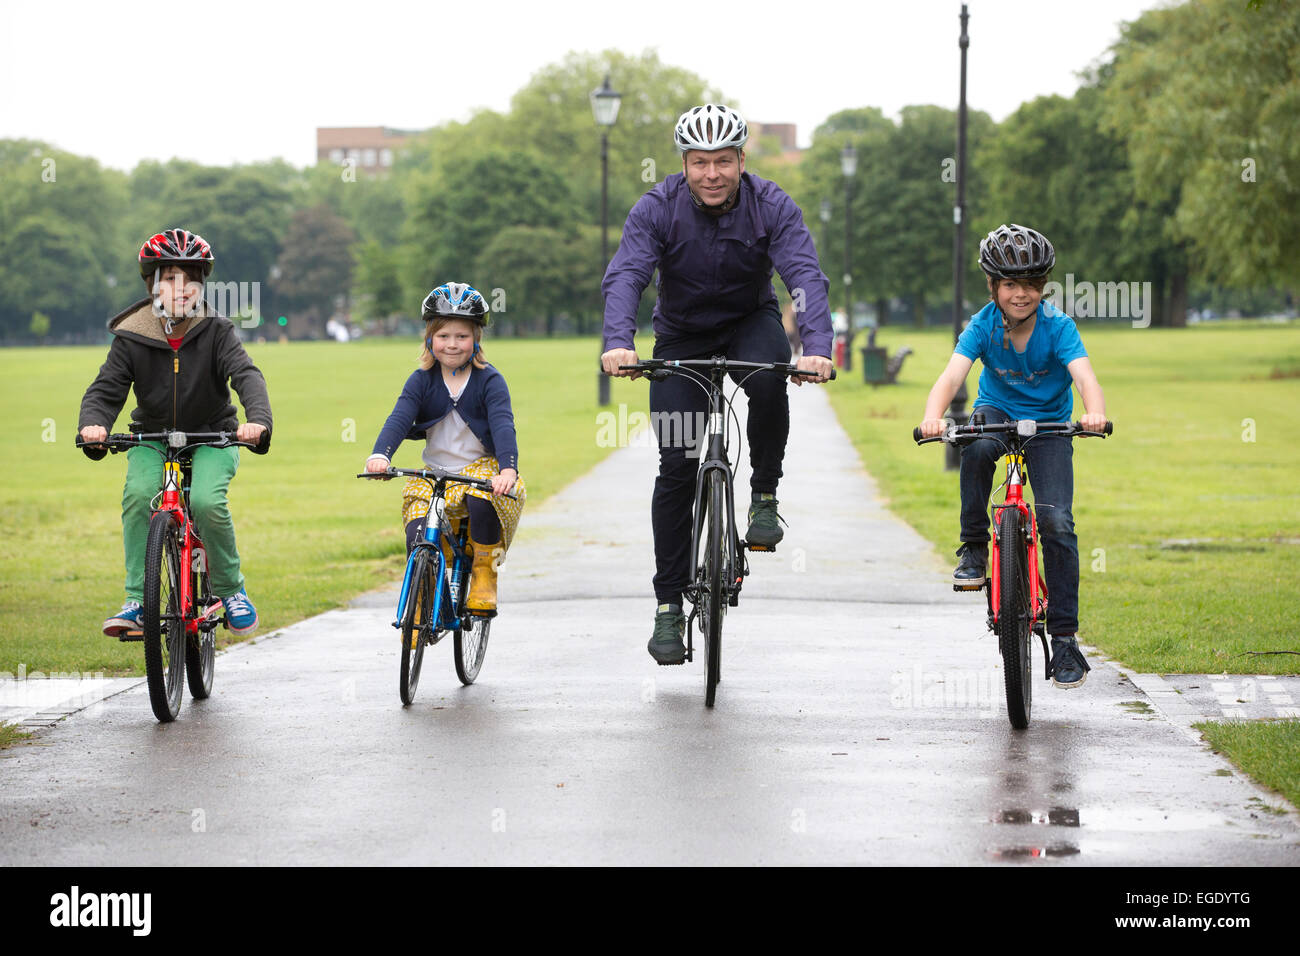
<point>482,599</point>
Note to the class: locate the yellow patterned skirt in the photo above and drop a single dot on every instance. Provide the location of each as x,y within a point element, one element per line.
<point>416,495</point>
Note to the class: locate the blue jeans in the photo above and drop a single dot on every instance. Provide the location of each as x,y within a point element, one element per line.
<point>1050,473</point>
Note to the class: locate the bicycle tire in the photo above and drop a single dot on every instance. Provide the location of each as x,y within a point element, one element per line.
<point>200,648</point>
<point>162,620</point>
<point>470,645</point>
<point>415,625</point>
<point>716,495</point>
<point>1014,617</point>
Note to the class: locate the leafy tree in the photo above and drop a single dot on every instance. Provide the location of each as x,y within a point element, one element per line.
<point>315,268</point>
<point>457,211</point>
<point>1205,97</point>
<point>377,286</point>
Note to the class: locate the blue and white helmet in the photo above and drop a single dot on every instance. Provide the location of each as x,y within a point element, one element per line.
<point>456,300</point>
<point>710,127</point>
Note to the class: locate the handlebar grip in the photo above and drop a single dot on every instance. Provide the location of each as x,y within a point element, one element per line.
<point>1110,427</point>
<point>92,450</point>
<point>832,378</point>
<point>916,434</point>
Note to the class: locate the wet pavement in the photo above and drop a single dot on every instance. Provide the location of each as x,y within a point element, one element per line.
<point>860,720</point>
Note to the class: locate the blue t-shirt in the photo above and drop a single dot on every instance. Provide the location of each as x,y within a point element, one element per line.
<point>1034,383</point>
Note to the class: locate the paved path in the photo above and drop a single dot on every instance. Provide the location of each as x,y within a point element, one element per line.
<point>860,720</point>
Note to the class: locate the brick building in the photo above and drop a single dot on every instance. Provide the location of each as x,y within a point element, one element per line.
<point>371,148</point>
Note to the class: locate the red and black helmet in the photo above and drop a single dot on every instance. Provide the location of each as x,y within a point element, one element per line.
<point>175,245</point>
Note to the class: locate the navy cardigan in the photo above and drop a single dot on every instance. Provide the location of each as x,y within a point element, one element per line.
<point>425,401</point>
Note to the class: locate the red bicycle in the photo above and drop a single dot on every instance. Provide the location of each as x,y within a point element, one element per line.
<point>1016,585</point>
<point>180,613</point>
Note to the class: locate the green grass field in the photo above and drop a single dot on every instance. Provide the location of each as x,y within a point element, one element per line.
<point>1188,517</point>
<point>311,536</point>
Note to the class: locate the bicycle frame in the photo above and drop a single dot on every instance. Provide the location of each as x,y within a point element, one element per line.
<point>443,614</point>
<point>1015,498</point>
<point>191,547</point>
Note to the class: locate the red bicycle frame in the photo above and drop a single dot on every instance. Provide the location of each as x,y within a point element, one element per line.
<point>1016,499</point>
<point>191,549</point>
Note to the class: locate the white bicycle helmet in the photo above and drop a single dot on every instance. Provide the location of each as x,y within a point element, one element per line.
<point>710,127</point>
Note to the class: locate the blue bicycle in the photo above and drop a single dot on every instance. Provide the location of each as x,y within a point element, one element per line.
<point>436,586</point>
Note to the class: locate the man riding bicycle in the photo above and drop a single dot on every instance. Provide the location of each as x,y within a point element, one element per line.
<point>714,233</point>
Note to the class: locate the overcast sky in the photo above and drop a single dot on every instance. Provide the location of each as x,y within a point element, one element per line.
<point>246,81</point>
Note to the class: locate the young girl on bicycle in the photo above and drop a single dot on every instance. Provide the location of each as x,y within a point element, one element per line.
<point>460,406</point>
<point>179,355</point>
<point>1031,352</point>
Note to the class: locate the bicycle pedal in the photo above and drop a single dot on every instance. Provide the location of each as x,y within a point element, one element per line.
<point>760,547</point>
<point>126,636</point>
<point>968,587</point>
<point>485,614</point>
<point>670,663</point>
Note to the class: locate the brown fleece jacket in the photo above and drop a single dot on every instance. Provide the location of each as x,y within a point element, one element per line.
<point>184,388</point>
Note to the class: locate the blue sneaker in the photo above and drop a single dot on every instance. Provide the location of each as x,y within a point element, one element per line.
<point>241,616</point>
<point>125,620</point>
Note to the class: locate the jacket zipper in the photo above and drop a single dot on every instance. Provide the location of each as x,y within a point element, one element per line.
<point>176,371</point>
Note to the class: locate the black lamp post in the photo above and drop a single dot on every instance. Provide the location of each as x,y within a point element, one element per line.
<point>957,411</point>
<point>848,166</point>
<point>604,107</point>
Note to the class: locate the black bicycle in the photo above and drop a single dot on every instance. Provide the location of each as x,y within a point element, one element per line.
<point>436,586</point>
<point>1016,585</point>
<point>718,564</point>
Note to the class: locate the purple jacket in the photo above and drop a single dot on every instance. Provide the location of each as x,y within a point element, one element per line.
<point>713,271</point>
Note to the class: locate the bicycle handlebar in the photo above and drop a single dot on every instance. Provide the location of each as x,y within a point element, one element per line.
<point>173,438</point>
<point>666,367</point>
<point>953,433</point>
<point>433,474</point>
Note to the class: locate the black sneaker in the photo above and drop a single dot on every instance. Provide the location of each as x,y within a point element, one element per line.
<point>764,528</point>
<point>1069,669</point>
<point>666,645</point>
<point>974,559</point>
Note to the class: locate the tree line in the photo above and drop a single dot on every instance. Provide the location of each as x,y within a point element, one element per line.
<point>1174,163</point>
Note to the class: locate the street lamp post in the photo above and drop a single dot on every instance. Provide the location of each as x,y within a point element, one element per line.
<point>957,411</point>
<point>848,166</point>
<point>604,107</point>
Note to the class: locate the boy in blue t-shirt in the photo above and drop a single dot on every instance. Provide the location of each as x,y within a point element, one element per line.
<point>1031,353</point>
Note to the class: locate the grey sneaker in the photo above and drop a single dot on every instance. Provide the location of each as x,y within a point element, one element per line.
<point>1069,669</point>
<point>666,645</point>
<point>764,529</point>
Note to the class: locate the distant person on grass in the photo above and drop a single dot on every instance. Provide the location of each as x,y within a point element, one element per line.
<point>1032,353</point>
<point>179,355</point>
<point>459,406</point>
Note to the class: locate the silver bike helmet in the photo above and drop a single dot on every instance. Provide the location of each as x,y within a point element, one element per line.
<point>1016,252</point>
<point>710,127</point>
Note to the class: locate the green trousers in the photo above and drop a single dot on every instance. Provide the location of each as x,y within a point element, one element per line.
<point>213,469</point>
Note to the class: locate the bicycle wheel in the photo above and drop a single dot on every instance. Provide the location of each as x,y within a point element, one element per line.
<point>716,602</point>
<point>200,648</point>
<point>1014,618</point>
<point>415,625</point>
<point>161,621</point>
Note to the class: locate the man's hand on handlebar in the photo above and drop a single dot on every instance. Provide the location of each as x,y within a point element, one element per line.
<point>611,360</point>
<point>813,363</point>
